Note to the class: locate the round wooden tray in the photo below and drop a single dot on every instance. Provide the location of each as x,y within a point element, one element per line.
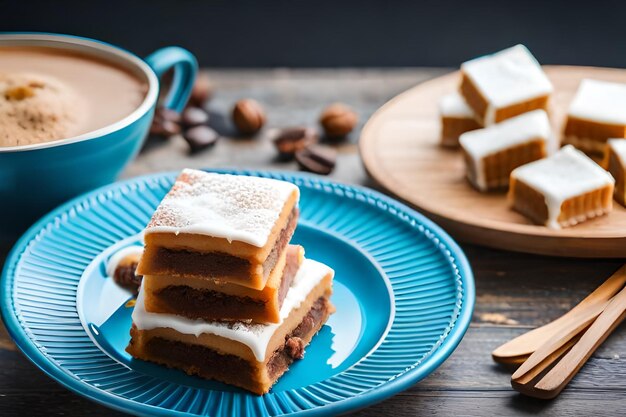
<point>400,149</point>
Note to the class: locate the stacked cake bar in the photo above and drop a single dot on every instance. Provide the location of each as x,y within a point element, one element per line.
<point>224,295</point>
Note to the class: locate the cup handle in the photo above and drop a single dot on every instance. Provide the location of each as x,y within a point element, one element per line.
<point>185,69</point>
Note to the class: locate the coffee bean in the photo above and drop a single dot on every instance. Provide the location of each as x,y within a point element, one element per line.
<point>291,140</point>
<point>200,137</point>
<point>163,113</point>
<point>317,159</point>
<point>194,116</point>
<point>338,120</point>
<point>164,128</point>
<point>166,122</point>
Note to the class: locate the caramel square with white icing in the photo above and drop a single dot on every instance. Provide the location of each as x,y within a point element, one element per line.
<point>562,190</point>
<point>457,117</point>
<point>597,113</point>
<point>493,152</point>
<point>504,85</point>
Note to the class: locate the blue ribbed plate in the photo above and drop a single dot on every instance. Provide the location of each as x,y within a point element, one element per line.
<point>404,294</point>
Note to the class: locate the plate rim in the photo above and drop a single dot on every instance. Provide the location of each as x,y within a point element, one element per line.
<point>470,231</point>
<point>28,347</point>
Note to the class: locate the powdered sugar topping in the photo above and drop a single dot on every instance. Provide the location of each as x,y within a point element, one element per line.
<point>234,207</point>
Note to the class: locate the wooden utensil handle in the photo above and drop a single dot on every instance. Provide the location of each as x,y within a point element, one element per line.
<point>575,324</point>
<point>529,342</point>
<point>559,376</point>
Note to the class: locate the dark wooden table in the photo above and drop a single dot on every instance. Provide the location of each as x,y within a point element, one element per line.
<point>516,292</point>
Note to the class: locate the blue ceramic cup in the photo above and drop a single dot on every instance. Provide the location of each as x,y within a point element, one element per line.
<point>35,178</point>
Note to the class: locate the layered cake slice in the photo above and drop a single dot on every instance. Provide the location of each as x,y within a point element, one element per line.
<point>230,228</point>
<point>504,85</point>
<point>615,163</point>
<point>250,356</point>
<point>562,190</point>
<point>199,298</point>
<point>456,118</point>
<point>493,152</point>
<point>597,113</point>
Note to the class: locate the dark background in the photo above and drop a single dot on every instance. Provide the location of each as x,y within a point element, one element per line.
<point>326,33</point>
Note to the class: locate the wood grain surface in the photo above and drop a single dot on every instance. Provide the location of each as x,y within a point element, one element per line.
<point>400,149</point>
<point>515,292</point>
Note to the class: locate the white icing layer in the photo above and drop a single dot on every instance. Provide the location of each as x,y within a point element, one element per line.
<point>507,77</point>
<point>566,174</point>
<point>454,105</point>
<point>117,257</point>
<point>255,336</point>
<point>600,101</point>
<point>234,207</point>
<point>512,132</point>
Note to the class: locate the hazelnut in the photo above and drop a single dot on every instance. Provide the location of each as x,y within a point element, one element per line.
<point>338,120</point>
<point>125,275</point>
<point>202,91</point>
<point>248,116</point>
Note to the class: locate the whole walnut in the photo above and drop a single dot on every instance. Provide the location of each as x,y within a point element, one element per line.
<point>248,116</point>
<point>338,120</point>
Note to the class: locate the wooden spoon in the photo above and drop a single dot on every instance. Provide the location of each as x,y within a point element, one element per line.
<point>527,343</point>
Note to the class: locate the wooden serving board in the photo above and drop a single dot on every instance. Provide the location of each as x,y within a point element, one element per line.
<point>400,149</point>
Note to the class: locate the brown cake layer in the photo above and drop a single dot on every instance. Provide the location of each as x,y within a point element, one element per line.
<point>231,369</point>
<point>498,166</point>
<point>480,105</point>
<point>214,304</point>
<point>217,265</point>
